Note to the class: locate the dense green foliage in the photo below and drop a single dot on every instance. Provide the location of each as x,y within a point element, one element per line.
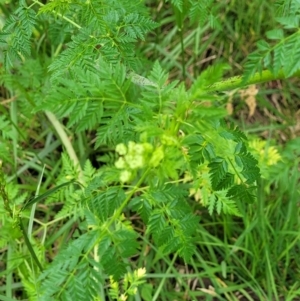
<point>163,149</point>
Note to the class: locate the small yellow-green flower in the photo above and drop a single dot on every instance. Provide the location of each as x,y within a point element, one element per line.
<point>157,156</point>
<point>148,148</point>
<point>140,273</point>
<point>137,148</point>
<point>113,284</point>
<point>120,163</point>
<point>135,161</point>
<point>135,156</point>
<point>267,155</point>
<point>123,297</point>
<point>121,149</point>
<point>125,176</point>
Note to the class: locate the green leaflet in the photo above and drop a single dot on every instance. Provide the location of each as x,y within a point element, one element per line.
<point>140,80</point>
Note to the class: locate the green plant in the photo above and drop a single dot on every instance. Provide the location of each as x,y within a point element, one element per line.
<point>76,62</point>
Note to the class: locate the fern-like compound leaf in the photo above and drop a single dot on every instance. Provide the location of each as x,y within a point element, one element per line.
<point>67,267</point>
<point>16,35</point>
<point>200,11</point>
<point>114,248</point>
<point>105,203</point>
<point>247,163</point>
<point>225,182</point>
<point>218,172</point>
<point>242,193</point>
<point>232,133</point>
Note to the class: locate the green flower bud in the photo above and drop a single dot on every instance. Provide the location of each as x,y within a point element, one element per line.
<point>121,149</point>
<point>120,164</point>
<point>125,176</point>
<point>157,156</point>
<point>168,140</point>
<point>134,161</point>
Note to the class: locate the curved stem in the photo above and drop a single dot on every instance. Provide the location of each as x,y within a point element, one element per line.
<point>59,14</point>
<point>65,141</point>
<point>236,82</point>
<point>128,198</point>
<point>236,172</point>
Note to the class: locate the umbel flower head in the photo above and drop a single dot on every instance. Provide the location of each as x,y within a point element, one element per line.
<point>136,156</point>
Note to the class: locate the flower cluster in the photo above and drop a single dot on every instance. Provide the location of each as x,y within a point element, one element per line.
<point>136,156</point>
<point>267,154</point>
<point>131,282</point>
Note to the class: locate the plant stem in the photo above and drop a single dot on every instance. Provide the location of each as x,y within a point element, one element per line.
<point>236,82</point>
<point>182,53</point>
<point>128,198</point>
<point>59,14</point>
<point>65,141</point>
<point>159,289</point>
<point>115,216</point>
<point>29,246</point>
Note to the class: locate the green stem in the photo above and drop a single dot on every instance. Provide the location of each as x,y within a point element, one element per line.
<point>182,53</point>
<point>128,198</point>
<point>14,118</point>
<point>29,246</point>
<point>116,215</point>
<point>236,82</point>
<point>66,142</point>
<point>4,194</point>
<point>236,172</point>
<point>59,14</point>
<point>159,289</point>
<point>9,268</point>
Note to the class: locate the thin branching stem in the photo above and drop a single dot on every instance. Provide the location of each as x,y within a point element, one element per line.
<point>237,82</point>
